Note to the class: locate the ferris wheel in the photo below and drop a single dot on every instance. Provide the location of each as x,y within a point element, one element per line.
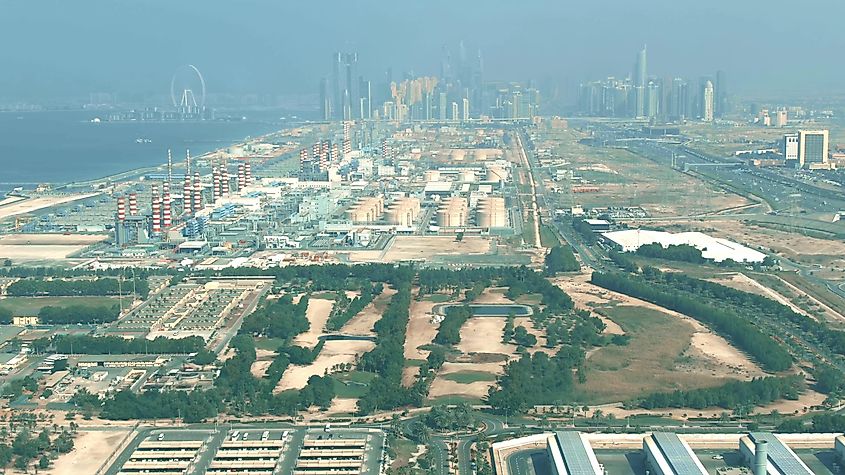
<point>187,89</point>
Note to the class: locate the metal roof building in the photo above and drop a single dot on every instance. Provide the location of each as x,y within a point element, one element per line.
<point>571,454</point>
<point>667,454</point>
<point>781,459</point>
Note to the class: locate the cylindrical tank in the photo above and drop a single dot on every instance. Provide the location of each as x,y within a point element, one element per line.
<point>761,457</point>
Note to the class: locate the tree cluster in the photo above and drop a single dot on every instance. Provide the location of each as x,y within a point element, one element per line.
<point>72,314</point>
<point>561,259</point>
<point>278,318</point>
<point>343,313</point>
<point>76,287</point>
<point>102,345</point>
<point>675,252</point>
<point>449,332</point>
<point>757,392</point>
<point>387,359</point>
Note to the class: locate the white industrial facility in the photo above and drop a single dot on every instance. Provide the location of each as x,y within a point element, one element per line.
<point>715,249</point>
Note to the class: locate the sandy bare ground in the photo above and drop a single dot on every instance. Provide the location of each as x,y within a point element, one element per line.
<point>747,284</point>
<point>44,247</point>
<point>333,353</point>
<point>343,406</point>
<point>494,295</point>
<point>25,253</point>
<point>409,375</point>
<point>722,358</point>
<point>264,358</point>
<point>478,389</point>
<point>34,204</point>
<point>91,449</point>
<point>362,323</point>
<point>421,330</point>
<point>423,247</point>
<point>317,314</point>
<point>484,335</point>
<point>791,245</point>
<point>51,239</point>
<point>443,387</point>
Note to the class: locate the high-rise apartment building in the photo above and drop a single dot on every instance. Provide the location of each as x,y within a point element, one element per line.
<point>812,148</point>
<point>707,102</point>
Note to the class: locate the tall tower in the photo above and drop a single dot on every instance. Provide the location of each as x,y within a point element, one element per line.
<point>166,213</point>
<point>641,82</point>
<point>197,192</point>
<point>707,102</point>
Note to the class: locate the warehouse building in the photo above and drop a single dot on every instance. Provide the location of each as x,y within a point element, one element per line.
<point>763,449</point>
<point>667,454</point>
<point>571,454</point>
<point>715,249</point>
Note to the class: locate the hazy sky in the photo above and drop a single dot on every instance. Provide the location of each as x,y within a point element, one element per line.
<point>60,48</point>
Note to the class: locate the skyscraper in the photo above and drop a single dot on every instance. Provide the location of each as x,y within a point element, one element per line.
<point>707,100</point>
<point>337,86</point>
<point>325,100</point>
<point>641,83</point>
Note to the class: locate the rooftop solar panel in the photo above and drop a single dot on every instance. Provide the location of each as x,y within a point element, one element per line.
<point>575,455</point>
<point>780,456</point>
<point>676,454</point>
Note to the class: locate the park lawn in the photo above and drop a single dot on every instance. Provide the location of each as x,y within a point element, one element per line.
<point>32,305</point>
<point>437,298</point>
<point>353,384</point>
<point>548,238</point>
<point>403,449</point>
<point>468,377</point>
<point>646,364</point>
<point>269,344</point>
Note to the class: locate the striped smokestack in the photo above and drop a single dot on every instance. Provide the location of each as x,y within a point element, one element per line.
<point>133,204</point>
<point>121,209</point>
<point>166,209</point>
<point>156,210</point>
<point>241,177</point>
<point>197,192</point>
<point>215,184</point>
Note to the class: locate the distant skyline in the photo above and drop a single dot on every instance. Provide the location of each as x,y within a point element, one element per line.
<point>54,49</point>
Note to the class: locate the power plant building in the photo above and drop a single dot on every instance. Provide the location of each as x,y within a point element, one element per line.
<point>571,454</point>
<point>766,454</point>
<point>366,210</point>
<point>492,212</point>
<point>667,454</point>
<point>403,212</point>
<point>452,212</point>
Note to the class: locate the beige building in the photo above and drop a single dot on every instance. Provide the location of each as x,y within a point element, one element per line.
<point>452,212</point>
<point>813,148</point>
<point>492,212</point>
<point>366,210</point>
<point>403,211</point>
